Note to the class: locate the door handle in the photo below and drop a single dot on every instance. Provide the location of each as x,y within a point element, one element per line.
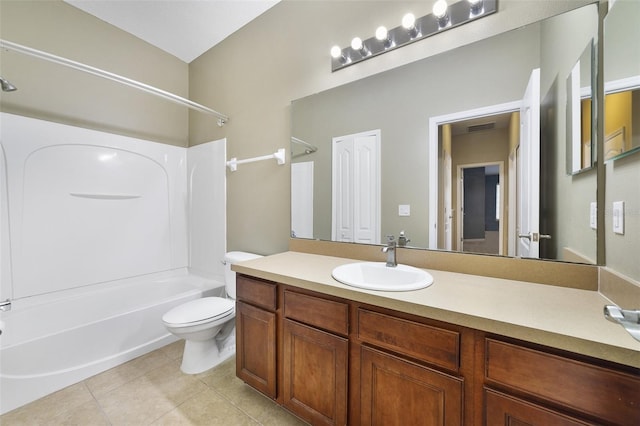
<point>534,236</point>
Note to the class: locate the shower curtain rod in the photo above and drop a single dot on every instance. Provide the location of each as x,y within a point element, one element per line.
<point>310,148</point>
<point>222,119</point>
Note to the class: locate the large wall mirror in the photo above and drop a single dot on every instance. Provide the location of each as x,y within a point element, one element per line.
<point>621,76</point>
<point>622,80</point>
<point>437,149</point>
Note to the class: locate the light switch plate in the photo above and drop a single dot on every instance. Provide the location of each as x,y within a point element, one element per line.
<point>618,217</point>
<point>404,210</point>
<point>593,215</point>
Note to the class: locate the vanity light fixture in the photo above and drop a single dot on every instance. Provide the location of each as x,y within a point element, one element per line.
<point>440,12</point>
<point>475,7</point>
<point>409,24</point>
<point>443,17</point>
<point>382,35</point>
<point>358,46</point>
<point>336,53</point>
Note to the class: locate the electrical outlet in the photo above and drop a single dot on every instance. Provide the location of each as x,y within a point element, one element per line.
<point>404,210</point>
<point>593,215</point>
<point>618,217</point>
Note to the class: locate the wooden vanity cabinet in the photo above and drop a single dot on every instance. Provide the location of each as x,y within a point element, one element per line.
<point>256,340</point>
<point>407,372</point>
<point>503,409</point>
<point>529,384</point>
<point>315,358</point>
<point>334,361</point>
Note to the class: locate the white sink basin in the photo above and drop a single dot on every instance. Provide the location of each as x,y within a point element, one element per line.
<point>377,276</point>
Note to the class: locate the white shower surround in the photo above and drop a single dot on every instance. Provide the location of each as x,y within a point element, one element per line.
<point>98,231</point>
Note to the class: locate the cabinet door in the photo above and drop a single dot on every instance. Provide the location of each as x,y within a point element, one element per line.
<point>581,387</point>
<point>256,348</point>
<point>505,410</point>
<point>315,374</point>
<point>395,391</point>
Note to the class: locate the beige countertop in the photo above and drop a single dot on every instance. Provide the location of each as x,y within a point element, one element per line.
<point>559,317</point>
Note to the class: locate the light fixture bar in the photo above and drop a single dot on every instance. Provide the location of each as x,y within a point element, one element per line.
<point>222,119</point>
<point>458,14</point>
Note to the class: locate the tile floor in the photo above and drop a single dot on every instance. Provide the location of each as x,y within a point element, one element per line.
<point>151,390</point>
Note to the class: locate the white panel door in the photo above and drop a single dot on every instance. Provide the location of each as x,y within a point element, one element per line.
<point>529,170</point>
<point>365,191</point>
<point>356,188</point>
<point>342,190</point>
<point>302,199</point>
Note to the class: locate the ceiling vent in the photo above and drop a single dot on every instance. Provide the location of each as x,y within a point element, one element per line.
<point>481,127</point>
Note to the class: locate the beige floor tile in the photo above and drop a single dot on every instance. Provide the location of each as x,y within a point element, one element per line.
<point>152,390</point>
<point>135,403</point>
<point>42,410</point>
<point>264,409</point>
<point>174,350</point>
<point>88,414</point>
<point>252,402</point>
<point>207,408</point>
<point>131,370</point>
<point>234,389</point>
<point>226,369</point>
<point>149,397</point>
<point>279,417</point>
<point>175,384</point>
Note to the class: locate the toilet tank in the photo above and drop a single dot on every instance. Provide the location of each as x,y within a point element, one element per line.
<point>232,258</point>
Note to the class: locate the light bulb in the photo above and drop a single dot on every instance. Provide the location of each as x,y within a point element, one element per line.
<point>382,33</point>
<point>440,9</point>
<point>356,43</point>
<point>475,6</point>
<point>336,52</point>
<point>409,21</point>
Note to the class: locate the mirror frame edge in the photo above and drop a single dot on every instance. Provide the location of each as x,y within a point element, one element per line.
<point>603,9</point>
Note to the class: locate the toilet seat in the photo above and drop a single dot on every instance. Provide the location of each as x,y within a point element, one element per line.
<point>198,311</point>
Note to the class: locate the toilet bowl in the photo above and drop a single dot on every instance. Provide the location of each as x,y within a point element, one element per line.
<point>208,324</point>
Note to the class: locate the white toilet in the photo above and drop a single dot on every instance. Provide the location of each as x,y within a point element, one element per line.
<point>208,324</point>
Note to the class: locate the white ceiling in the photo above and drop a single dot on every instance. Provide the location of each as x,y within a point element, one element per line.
<point>184,28</point>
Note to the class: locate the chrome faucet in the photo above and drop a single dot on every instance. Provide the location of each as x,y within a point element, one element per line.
<point>390,249</point>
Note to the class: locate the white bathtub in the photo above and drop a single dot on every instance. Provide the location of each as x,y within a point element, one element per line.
<point>97,231</point>
<point>54,340</point>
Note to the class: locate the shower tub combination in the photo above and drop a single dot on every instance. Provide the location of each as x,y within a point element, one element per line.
<point>97,242</point>
<point>51,345</point>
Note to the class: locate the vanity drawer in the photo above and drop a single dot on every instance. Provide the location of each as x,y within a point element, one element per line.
<point>318,312</point>
<point>435,345</point>
<point>503,409</point>
<point>257,292</point>
<point>604,393</point>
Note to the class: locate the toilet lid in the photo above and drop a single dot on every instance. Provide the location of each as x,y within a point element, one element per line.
<point>199,310</point>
